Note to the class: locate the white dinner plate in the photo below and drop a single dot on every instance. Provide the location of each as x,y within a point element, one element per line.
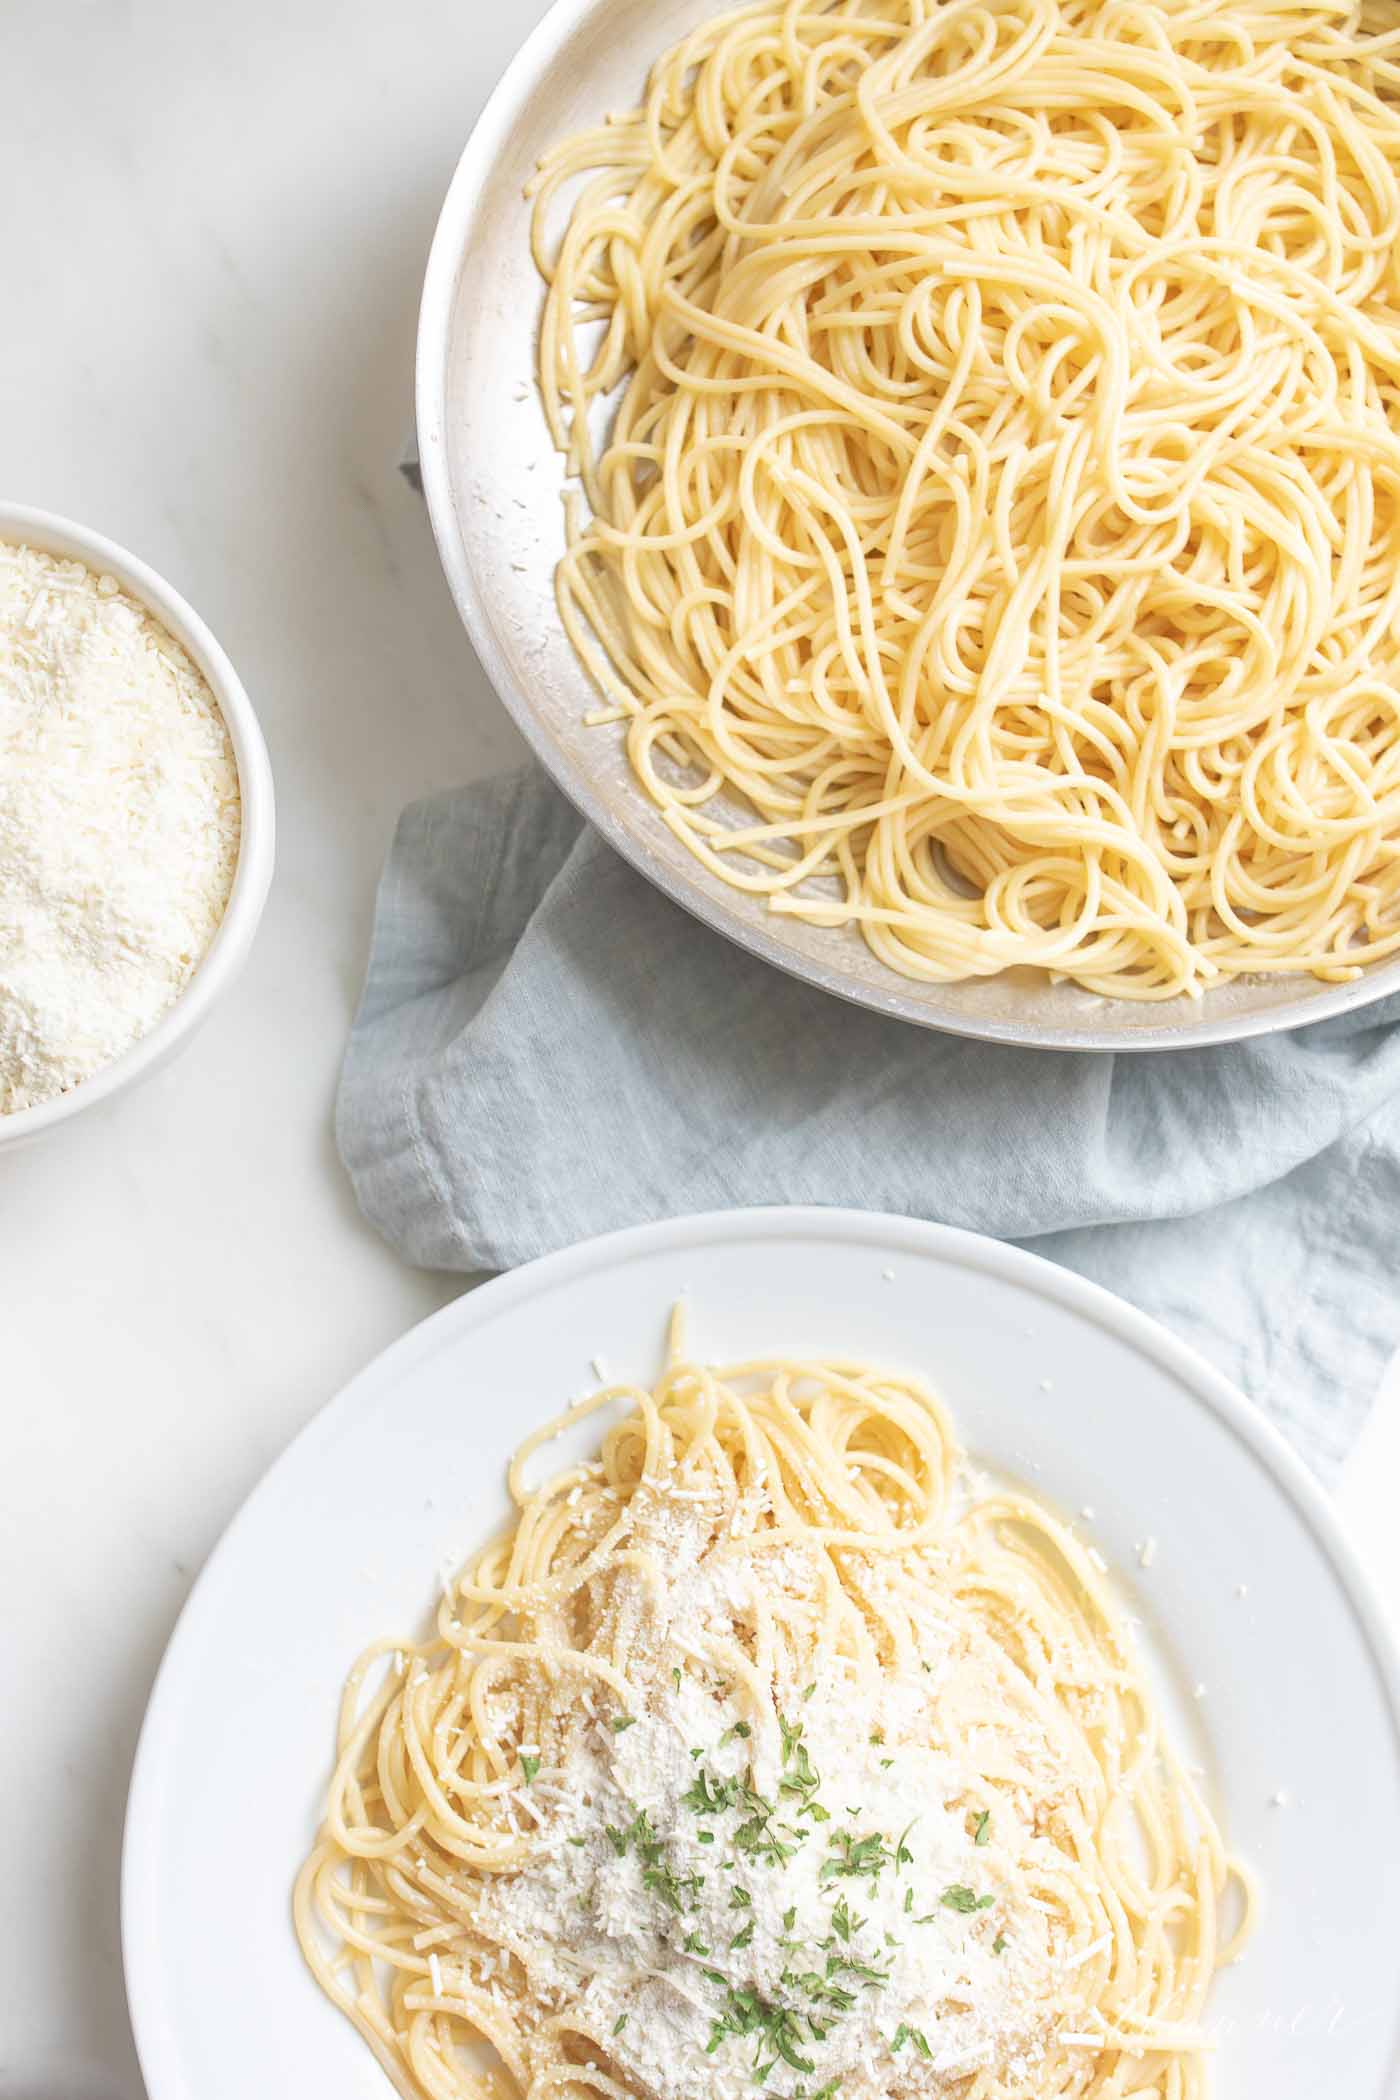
<point>1251,1598</point>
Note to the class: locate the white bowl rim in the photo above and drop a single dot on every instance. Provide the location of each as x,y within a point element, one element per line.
<point>1314,1002</point>
<point>51,533</point>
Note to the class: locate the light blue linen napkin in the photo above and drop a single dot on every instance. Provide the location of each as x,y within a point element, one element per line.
<point>547,1048</point>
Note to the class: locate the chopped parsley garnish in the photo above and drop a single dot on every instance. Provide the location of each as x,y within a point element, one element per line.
<point>643,1836</point>
<point>709,1797</point>
<point>982,1834</point>
<point>660,1877</point>
<point>782,2042</point>
<point>999,1943</point>
<point>529,1766</point>
<point>619,2023</point>
<point>741,1938</point>
<point>621,1721</point>
<point>960,1897</point>
<point>755,1836</point>
<point>777,2030</point>
<point>866,1973</point>
<point>859,1856</point>
<point>824,1990</point>
<point>800,1777</point>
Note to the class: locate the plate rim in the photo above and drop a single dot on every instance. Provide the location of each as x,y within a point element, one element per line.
<point>474,1308</point>
<point>431,375</point>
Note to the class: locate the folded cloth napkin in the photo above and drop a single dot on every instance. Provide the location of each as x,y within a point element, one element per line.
<point>548,1048</point>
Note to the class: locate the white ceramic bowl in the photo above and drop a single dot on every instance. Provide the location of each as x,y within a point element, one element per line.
<point>229,948</point>
<point>493,483</point>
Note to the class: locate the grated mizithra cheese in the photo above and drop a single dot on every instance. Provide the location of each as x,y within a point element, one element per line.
<point>119,823</point>
<point>935,1957</point>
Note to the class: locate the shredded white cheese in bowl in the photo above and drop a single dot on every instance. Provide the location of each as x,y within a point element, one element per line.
<point>124,818</point>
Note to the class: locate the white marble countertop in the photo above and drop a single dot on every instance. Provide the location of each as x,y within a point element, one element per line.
<point>209,316</point>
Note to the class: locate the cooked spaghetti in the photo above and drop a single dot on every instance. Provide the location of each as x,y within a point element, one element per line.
<point>760,1756</point>
<point>988,421</point>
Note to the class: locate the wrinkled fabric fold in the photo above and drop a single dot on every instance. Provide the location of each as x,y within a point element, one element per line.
<point>548,1048</point>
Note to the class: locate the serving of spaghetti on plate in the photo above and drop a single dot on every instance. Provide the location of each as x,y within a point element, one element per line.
<point>764,1752</point>
<point>682,1704</point>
